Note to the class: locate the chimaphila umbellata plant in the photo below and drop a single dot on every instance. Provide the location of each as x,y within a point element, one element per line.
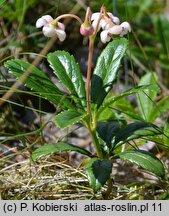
<point>91,103</point>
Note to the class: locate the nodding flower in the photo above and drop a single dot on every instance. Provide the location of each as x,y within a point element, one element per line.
<point>106,20</point>
<point>125,28</point>
<point>110,25</point>
<point>115,31</point>
<point>51,28</point>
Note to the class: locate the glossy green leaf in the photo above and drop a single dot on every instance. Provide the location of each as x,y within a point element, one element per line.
<point>68,72</point>
<point>106,70</point>
<point>107,115</point>
<point>107,131</point>
<point>144,159</point>
<point>134,131</point>
<point>109,102</point>
<point>51,148</point>
<point>98,172</point>
<point>146,98</point>
<point>38,82</point>
<point>125,107</point>
<point>69,117</point>
<point>159,108</point>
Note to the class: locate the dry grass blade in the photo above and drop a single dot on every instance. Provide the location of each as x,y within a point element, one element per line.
<point>44,180</point>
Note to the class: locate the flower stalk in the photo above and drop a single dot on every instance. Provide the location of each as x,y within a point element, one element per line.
<point>90,58</point>
<point>63,16</point>
<point>89,71</point>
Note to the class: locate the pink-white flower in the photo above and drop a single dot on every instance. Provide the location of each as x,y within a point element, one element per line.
<point>51,28</point>
<point>110,26</point>
<point>94,19</point>
<point>115,31</point>
<point>115,20</point>
<point>126,28</point>
<point>104,36</point>
<point>108,34</point>
<point>106,21</point>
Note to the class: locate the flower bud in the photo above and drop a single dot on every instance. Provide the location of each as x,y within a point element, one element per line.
<point>86,29</point>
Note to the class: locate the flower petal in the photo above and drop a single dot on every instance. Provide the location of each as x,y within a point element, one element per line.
<point>104,23</point>
<point>110,14</point>
<point>43,21</point>
<point>115,20</point>
<point>49,31</point>
<point>48,18</point>
<point>40,22</point>
<point>61,34</point>
<point>94,24</point>
<point>61,25</point>
<point>116,30</point>
<point>104,36</point>
<point>126,28</point>
<point>95,16</point>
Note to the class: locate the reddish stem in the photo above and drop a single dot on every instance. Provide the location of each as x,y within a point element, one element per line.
<point>89,70</point>
<point>89,66</point>
<point>63,16</point>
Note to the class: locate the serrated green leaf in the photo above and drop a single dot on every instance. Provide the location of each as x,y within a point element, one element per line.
<point>106,70</point>
<point>68,72</point>
<point>98,172</point>
<point>51,148</point>
<point>134,131</point>
<point>39,82</point>
<point>69,117</point>
<point>144,159</point>
<point>146,98</point>
<point>111,100</point>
